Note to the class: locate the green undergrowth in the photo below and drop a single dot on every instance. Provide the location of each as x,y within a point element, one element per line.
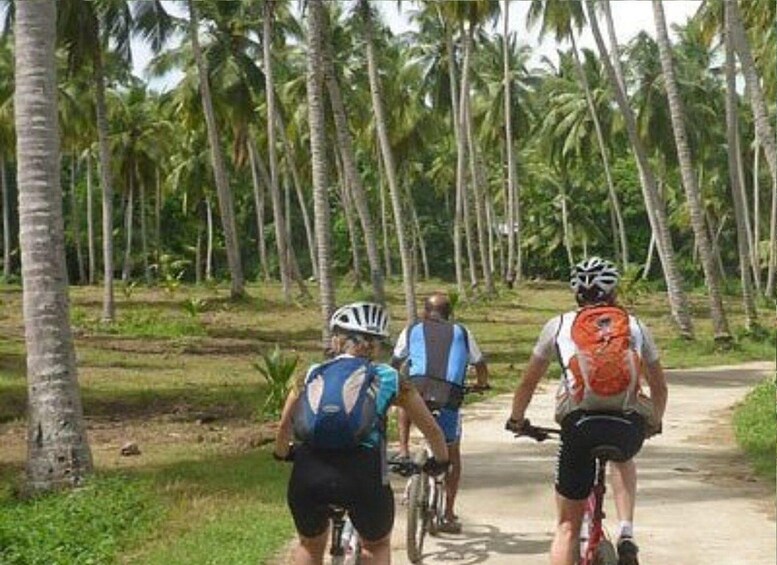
<point>143,323</point>
<point>83,526</point>
<point>756,428</point>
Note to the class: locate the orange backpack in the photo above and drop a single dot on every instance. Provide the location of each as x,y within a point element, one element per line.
<point>602,370</point>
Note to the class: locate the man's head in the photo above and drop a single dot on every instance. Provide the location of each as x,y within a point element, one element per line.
<point>437,306</point>
<point>359,329</point>
<point>594,281</point>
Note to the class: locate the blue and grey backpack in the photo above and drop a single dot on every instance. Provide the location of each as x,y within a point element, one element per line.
<point>337,407</point>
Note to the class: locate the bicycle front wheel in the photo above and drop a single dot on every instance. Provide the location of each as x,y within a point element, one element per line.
<point>606,554</point>
<point>416,514</point>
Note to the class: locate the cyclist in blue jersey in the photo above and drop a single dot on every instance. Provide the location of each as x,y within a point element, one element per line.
<point>437,353</point>
<point>327,470</point>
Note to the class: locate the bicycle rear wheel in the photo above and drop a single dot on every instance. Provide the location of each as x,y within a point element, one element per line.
<point>606,554</point>
<point>416,517</point>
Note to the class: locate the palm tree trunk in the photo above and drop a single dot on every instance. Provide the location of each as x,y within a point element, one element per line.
<point>693,194</point>
<point>58,452</point>
<point>653,203</point>
<point>90,220</point>
<point>6,220</point>
<point>460,149</point>
<point>477,193</point>
<point>733,157</point>
<point>490,232</point>
<point>649,258</point>
<point>209,246</point>
<point>109,309</point>
<point>509,148</point>
<point>315,94</point>
<point>616,59</point>
<point>198,258</point>
<point>259,206</point>
<point>384,218</point>
<point>128,213</point>
<point>350,224</point>
<point>292,167</point>
<point>746,212</point>
<point>157,221</point>
<point>143,231</point>
<point>76,220</point>
<point>763,128</point>
<point>275,193</point>
<point>756,214</point>
<point>226,205</point>
<point>351,173</point>
<point>770,274</point>
<point>565,226</point>
<point>388,162</point>
<point>611,194</point>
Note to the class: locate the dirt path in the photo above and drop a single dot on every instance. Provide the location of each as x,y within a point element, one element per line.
<point>697,500</point>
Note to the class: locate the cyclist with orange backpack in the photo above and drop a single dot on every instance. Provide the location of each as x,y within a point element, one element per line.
<point>604,352</point>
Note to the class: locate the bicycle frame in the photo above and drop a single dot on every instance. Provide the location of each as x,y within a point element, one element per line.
<point>595,514</point>
<point>339,552</point>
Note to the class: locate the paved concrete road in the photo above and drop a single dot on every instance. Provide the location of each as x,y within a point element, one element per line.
<point>698,503</point>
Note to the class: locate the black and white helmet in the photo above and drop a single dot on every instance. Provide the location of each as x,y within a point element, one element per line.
<point>593,275</point>
<point>361,317</point>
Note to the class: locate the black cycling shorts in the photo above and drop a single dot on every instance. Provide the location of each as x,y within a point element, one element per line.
<point>583,431</point>
<point>352,480</point>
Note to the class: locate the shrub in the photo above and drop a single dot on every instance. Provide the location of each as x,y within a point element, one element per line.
<point>277,371</point>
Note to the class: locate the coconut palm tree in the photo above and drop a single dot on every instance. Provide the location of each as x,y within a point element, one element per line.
<point>226,204</point>
<point>732,132</point>
<point>7,144</point>
<point>389,166</point>
<point>653,203</point>
<point>677,113</point>
<point>315,82</point>
<point>565,19</point>
<point>58,450</point>
<point>350,170</point>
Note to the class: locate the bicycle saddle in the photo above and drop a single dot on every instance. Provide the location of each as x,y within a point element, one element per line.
<point>608,453</point>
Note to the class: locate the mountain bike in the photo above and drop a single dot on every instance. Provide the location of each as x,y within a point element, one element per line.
<point>425,495</point>
<point>595,546</point>
<point>345,547</point>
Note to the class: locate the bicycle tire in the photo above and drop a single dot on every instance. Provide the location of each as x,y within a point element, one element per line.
<point>416,518</point>
<point>606,554</point>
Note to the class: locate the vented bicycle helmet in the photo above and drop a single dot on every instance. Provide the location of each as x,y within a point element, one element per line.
<point>361,317</point>
<point>594,279</point>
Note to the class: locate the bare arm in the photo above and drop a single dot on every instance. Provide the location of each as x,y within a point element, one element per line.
<point>658,389</point>
<point>419,414</point>
<point>523,394</point>
<point>284,429</point>
<point>481,372</point>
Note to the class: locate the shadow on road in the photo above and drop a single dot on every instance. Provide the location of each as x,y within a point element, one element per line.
<point>481,542</point>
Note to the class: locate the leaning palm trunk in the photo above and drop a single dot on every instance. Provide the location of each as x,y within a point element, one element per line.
<point>763,127</point>
<point>291,165</point>
<point>109,310</point>
<point>58,453</point>
<point>770,275</point>
<point>350,223</point>
<point>315,79</point>
<point>209,245</point>
<point>143,232</point>
<point>384,217</point>
<point>733,157</point>
<point>281,241</point>
<point>226,206</point>
<point>259,205</point>
<point>351,173</point>
<point>678,301</point>
<point>388,162</point>
<point>611,194</point>
<point>677,113</point>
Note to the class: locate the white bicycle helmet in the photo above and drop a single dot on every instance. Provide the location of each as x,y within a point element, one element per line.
<point>594,274</point>
<point>361,317</point>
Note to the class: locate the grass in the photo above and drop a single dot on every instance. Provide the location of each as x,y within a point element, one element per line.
<point>176,374</point>
<point>87,525</point>
<point>754,426</point>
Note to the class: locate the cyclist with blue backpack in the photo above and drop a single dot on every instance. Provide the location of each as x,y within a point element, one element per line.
<point>604,354</point>
<point>338,420</point>
<point>437,353</point>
